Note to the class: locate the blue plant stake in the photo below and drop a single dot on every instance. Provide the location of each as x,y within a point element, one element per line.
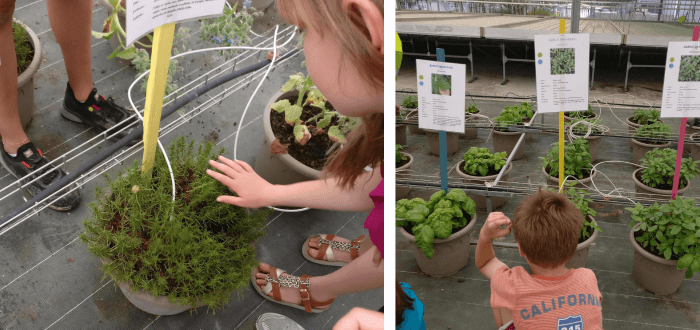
<point>443,138</point>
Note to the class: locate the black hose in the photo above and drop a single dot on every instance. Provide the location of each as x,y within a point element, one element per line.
<point>179,103</point>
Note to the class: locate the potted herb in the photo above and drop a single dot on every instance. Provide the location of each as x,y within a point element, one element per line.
<point>579,115</point>
<point>403,165</point>
<point>169,256</point>
<point>438,230</point>
<point>410,110</point>
<point>29,54</point>
<point>655,179</point>
<point>503,140</point>
<point>580,130</point>
<point>478,166</point>
<point>643,141</point>
<point>577,163</point>
<point>642,117</point>
<point>470,133</point>
<point>666,246</point>
<point>301,128</point>
<point>590,229</point>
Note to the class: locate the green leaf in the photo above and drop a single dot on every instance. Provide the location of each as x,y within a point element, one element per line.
<point>424,237</point>
<point>102,35</point>
<point>128,54</point>
<point>667,253</point>
<point>325,121</point>
<point>335,135</point>
<point>115,52</point>
<point>695,265</point>
<point>301,133</point>
<point>281,106</point>
<point>675,229</point>
<point>684,261</point>
<point>292,113</point>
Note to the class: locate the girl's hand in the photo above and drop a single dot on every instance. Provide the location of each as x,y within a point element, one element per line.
<point>253,191</point>
<point>491,228</point>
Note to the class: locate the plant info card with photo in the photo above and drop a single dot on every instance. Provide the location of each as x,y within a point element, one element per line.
<point>681,96</point>
<point>441,88</point>
<point>561,62</point>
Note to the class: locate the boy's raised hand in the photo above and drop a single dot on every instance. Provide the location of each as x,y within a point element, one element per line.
<point>491,228</point>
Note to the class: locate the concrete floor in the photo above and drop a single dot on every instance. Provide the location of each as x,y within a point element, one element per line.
<point>48,278</point>
<point>464,303</point>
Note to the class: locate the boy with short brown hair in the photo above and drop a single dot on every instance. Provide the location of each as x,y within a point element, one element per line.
<point>546,226</point>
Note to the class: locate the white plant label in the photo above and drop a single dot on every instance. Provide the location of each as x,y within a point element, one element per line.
<point>681,96</point>
<point>561,62</point>
<point>144,16</point>
<point>441,88</point>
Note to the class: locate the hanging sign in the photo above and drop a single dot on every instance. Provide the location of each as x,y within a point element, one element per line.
<point>681,93</point>
<point>561,63</point>
<point>441,88</point>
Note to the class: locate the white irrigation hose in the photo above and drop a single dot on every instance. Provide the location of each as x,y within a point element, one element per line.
<point>591,126</point>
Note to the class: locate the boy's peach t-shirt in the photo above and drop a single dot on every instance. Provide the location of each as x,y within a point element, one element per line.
<point>568,302</point>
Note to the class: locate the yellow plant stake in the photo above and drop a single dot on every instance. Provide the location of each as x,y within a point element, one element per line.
<point>155,92</point>
<point>562,30</point>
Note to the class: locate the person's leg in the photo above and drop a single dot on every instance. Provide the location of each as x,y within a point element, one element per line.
<point>71,22</point>
<point>13,135</point>
<point>361,274</point>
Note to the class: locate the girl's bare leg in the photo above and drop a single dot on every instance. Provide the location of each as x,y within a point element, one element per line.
<point>71,21</point>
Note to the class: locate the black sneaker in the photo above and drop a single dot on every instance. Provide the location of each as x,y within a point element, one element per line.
<point>28,164</point>
<point>99,112</point>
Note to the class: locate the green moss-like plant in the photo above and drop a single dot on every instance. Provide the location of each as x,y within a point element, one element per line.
<point>23,48</point>
<point>189,250</point>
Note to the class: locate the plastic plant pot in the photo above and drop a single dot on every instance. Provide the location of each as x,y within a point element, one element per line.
<point>581,257</point>
<point>470,133</point>
<point>506,141</point>
<point>640,149</point>
<point>632,126</point>
<point>25,81</point>
<point>642,191</point>
<point>412,115</point>
<point>580,183</point>
<point>480,201</point>
<point>401,135</point>
<point>434,142</point>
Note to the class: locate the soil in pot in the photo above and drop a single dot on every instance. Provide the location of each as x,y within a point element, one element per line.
<point>641,147</point>
<point>659,192</point>
<point>434,141</point>
<point>581,257</point>
<point>654,273</point>
<point>506,141</point>
<point>480,201</point>
<point>313,153</point>
<point>554,181</point>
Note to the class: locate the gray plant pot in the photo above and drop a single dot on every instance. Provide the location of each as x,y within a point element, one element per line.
<point>434,142</point>
<point>413,116</point>
<point>695,148</point>
<point>640,149</point>
<point>554,182</point>
<point>401,135</point>
<point>506,141</point>
<point>279,169</point>
<point>401,174</point>
<point>581,257</point>
<point>568,119</point>
<point>451,254</point>
<point>470,133</point>
<point>632,126</point>
<point>654,273</point>
<point>643,191</point>
<point>480,201</point>
<point>25,81</point>
<point>688,148</point>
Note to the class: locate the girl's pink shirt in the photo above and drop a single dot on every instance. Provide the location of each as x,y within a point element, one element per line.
<point>375,220</point>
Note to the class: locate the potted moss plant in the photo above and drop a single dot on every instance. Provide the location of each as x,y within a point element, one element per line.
<point>29,57</point>
<point>666,244</point>
<point>655,179</point>
<point>438,230</point>
<point>590,229</point>
<point>403,165</point>
<point>581,129</point>
<point>577,163</point>
<point>301,129</point>
<point>579,115</point>
<point>504,140</point>
<point>642,117</point>
<point>478,166</point>
<point>169,256</point>
<point>644,139</point>
<point>469,111</point>
<point>410,110</point>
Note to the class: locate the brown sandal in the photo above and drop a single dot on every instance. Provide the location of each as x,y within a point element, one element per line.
<point>326,247</point>
<point>278,278</point>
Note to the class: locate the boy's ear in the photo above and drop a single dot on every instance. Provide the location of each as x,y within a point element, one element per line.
<point>373,18</point>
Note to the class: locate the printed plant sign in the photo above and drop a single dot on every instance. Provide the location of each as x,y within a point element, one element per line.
<point>561,65</point>
<point>689,69</point>
<point>438,107</point>
<point>441,84</point>
<point>563,61</point>
<point>682,80</point>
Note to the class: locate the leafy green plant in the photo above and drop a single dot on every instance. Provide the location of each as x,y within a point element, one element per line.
<point>292,112</point>
<point>645,116</point>
<point>655,130</point>
<point>191,249</point>
<point>582,129</point>
<point>441,83</point>
<point>471,109</point>
<point>230,29</point>
<point>23,48</point>
<point>671,231</point>
<point>581,114</point>
<point>513,115</point>
<point>660,166</point>
<point>562,61</point>
<point>399,156</point>
<point>436,218</point>
<point>481,162</point>
<point>689,70</point>
<point>410,102</point>
<point>577,159</point>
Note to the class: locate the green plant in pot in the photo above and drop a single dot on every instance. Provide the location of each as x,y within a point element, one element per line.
<point>586,114</point>
<point>471,109</point>
<point>410,102</point>
<point>401,159</point>
<point>659,166</point>
<point>513,115</point>
<point>193,250</point>
<point>656,130</point>
<point>645,116</point>
<point>577,159</point>
<point>23,48</point>
<point>481,162</point>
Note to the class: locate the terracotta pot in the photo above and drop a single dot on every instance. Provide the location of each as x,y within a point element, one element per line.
<point>632,126</point>
<point>568,119</point>
<point>259,5</point>
<point>401,190</point>
<point>401,136</point>
<point>506,141</point>
<point>695,148</point>
<point>480,201</point>
<point>640,149</point>
<point>279,169</point>
<point>470,133</point>
<point>25,81</point>
<point>655,273</point>
<point>434,141</point>
<point>412,115</point>
<point>451,254</point>
<point>554,182</point>
<point>643,191</point>
<point>581,257</point>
